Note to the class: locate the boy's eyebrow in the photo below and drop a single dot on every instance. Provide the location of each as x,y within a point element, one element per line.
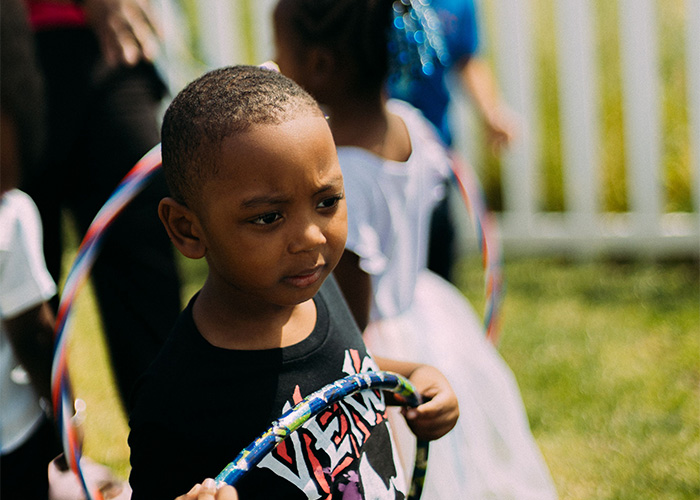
<point>331,184</point>
<point>257,201</point>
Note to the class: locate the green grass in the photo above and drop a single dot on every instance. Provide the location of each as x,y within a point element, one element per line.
<point>607,356</point>
<point>608,360</point>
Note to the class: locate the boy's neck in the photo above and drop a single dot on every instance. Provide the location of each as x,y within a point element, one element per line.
<point>367,124</point>
<point>229,325</point>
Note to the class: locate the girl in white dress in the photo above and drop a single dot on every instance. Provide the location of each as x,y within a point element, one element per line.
<point>394,168</point>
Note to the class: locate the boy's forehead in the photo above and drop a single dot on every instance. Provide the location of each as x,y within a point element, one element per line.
<point>281,145</point>
<point>276,137</point>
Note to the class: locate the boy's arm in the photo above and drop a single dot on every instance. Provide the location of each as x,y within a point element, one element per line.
<point>440,411</point>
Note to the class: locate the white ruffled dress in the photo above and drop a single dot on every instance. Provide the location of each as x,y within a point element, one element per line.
<point>418,316</point>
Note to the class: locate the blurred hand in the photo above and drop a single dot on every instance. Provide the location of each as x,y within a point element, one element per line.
<point>125,30</point>
<point>480,83</point>
<point>501,128</point>
<point>207,491</point>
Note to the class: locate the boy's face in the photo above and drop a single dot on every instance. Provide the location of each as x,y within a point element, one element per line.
<point>273,219</point>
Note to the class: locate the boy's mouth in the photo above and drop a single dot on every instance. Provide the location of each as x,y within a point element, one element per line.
<point>306,277</point>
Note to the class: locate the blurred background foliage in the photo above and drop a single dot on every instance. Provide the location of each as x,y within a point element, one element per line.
<point>676,155</point>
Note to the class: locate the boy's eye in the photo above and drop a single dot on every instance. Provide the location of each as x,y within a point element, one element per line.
<point>330,202</point>
<point>265,219</point>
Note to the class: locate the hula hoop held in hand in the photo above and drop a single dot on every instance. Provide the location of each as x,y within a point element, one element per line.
<point>315,403</point>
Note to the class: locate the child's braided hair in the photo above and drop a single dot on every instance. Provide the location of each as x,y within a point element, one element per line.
<point>354,30</point>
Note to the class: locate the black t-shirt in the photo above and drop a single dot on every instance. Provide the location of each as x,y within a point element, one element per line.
<point>199,405</point>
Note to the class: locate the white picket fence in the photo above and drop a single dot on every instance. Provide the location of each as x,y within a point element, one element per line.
<point>584,228</point>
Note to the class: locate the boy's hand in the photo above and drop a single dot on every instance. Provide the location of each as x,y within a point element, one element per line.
<point>440,411</point>
<point>207,491</point>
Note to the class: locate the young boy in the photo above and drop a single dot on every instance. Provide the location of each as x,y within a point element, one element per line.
<point>257,190</point>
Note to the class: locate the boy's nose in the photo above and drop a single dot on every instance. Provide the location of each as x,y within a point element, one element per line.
<point>309,237</point>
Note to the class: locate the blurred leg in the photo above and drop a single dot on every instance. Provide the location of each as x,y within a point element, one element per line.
<point>66,58</point>
<point>135,276</point>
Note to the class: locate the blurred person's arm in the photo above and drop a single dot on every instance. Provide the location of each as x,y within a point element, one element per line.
<point>479,82</point>
<point>125,29</point>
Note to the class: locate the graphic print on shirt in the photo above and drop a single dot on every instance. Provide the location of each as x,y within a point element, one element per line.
<point>342,453</point>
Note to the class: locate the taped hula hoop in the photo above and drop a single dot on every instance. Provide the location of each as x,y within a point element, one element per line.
<point>315,403</point>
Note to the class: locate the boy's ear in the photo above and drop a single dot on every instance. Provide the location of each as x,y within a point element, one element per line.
<point>182,226</point>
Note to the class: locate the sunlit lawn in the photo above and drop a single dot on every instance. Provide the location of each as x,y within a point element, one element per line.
<point>607,356</point>
<point>608,360</point>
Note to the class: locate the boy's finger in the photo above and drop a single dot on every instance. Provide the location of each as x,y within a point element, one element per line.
<point>208,491</point>
<point>432,419</point>
<point>227,493</point>
<point>192,494</point>
<point>429,409</point>
<point>410,413</point>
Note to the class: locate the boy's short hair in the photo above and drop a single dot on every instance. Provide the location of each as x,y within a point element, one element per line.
<point>221,103</point>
